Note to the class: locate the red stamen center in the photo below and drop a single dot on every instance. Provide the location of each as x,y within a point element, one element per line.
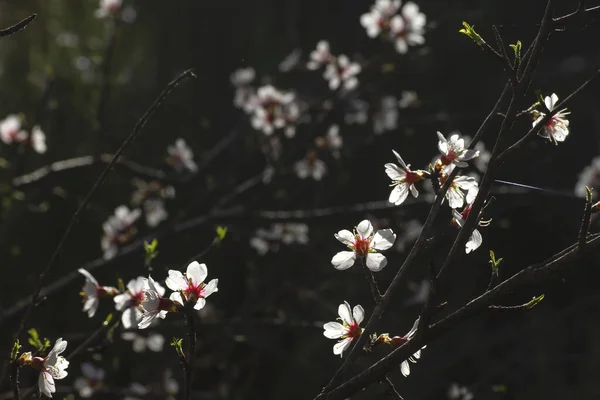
<point>361,246</point>
<point>354,331</point>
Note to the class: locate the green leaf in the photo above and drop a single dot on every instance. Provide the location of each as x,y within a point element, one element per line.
<point>470,32</point>
<point>221,232</point>
<point>177,343</point>
<point>495,263</point>
<point>151,251</point>
<point>15,350</point>
<point>534,302</point>
<point>517,49</point>
<point>109,318</point>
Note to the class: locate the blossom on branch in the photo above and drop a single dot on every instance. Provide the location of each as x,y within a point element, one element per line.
<point>108,8</point>
<point>275,109</point>
<point>153,304</point>
<point>339,71</point>
<point>191,285</point>
<point>181,156</point>
<point>92,292</point>
<point>346,331</point>
<point>130,302</point>
<point>556,129</point>
<point>364,244</point>
<point>118,229</point>
<point>462,190</point>
<point>403,180</point>
<point>51,367</point>
<point>10,130</point>
<point>475,240</point>
<point>454,151</point>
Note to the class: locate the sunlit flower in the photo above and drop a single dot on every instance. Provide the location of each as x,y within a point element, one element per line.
<point>118,229</point>
<point>310,166</point>
<point>364,244</point>
<point>154,305</point>
<point>456,392</point>
<point>557,127</point>
<point>130,302</point>
<point>454,151</point>
<point>475,240</point>
<point>51,367</point>
<point>348,330</point>
<point>92,292</point>
<point>386,118</point>
<point>91,380</point>
<point>463,189</point>
<point>320,56</point>
<point>408,29</point>
<point>181,156</point>
<point>403,180</point>
<point>153,342</point>
<point>397,341</point>
<point>191,284</point>
<point>10,130</point>
<point>590,177</point>
<point>38,140</point>
<point>108,8</point>
<point>342,72</point>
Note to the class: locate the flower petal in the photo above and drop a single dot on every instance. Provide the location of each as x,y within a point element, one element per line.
<point>383,239</point>
<point>405,368</point>
<point>176,280</point>
<point>399,194</point>
<point>334,330</point>
<point>364,228</point>
<point>394,172</point>
<point>176,296</point>
<point>196,272</point>
<point>342,346</point>
<point>474,241</point>
<point>345,236</point>
<point>343,260</point>
<point>358,313</point>
<point>376,261</point>
<point>345,313</point>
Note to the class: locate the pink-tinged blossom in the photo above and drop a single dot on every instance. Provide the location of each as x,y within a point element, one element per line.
<point>10,130</point>
<point>342,72</point>
<point>363,243</point>
<point>463,189</point>
<point>590,177</point>
<point>181,156</point>
<point>320,56</point>
<point>92,292</point>
<point>130,302</point>
<point>91,380</point>
<point>153,305</point>
<point>51,367</point>
<point>453,151</point>
<point>403,180</point>
<point>275,109</point>
<point>408,28</point>
<point>378,19</point>
<point>475,240</point>
<point>556,129</point>
<point>118,229</point>
<point>346,331</point>
<point>192,285</point>
<point>108,8</point>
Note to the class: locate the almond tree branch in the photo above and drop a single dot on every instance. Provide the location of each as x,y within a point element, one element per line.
<point>534,273</point>
<point>136,131</point>
<point>18,26</point>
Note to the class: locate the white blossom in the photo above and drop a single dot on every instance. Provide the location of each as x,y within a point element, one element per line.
<point>363,243</point>
<point>91,380</point>
<point>590,177</point>
<point>405,366</point>
<point>52,367</point>
<point>153,342</point>
<point>462,190</point>
<point>378,19</point>
<point>191,284</point>
<point>118,229</point>
<point>275,109</point>
<point>108,8</point>
<point>155,212</point>
<point>475,240</point>
<point>92,292</point>
<point>408,28</point>
<point>153,305</point>
<point>557,127</point>
<point>320,56</point>
<point>386,118</point>
<point>10,130</point>
<point>403,180</point>
<point>130,302</point>
<point>181,156</point>
<point>454,151</point>
<point>311,167</point>
<point>348,330</point>
<point>342,72</point>
<point>38,140</point>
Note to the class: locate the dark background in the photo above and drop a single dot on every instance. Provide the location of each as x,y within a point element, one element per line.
<point>262,336</point>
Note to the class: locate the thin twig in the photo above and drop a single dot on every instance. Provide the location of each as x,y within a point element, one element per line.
<point>190,335</point>
<point>136,131</point>
<point>392,389</point>
<point>18,26</point>
<point>371,280</point>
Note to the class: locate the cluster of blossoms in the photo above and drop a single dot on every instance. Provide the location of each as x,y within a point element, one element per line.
<point>181,156</point>
<point>270,108</point>
<point>53,366</point>
<point>11,131</point>
<point>339,71</point>
<point>404,29</point>
<point>151,197</point>
<point>556,129</point>
<point>142,301</point>
<point>266,240</point>
<point>118,229</point>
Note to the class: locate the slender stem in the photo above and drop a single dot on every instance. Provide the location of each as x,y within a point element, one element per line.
<point>18,26</point>
<point>14,380</point>
<point>191,350</point>
<point>371,279</point>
